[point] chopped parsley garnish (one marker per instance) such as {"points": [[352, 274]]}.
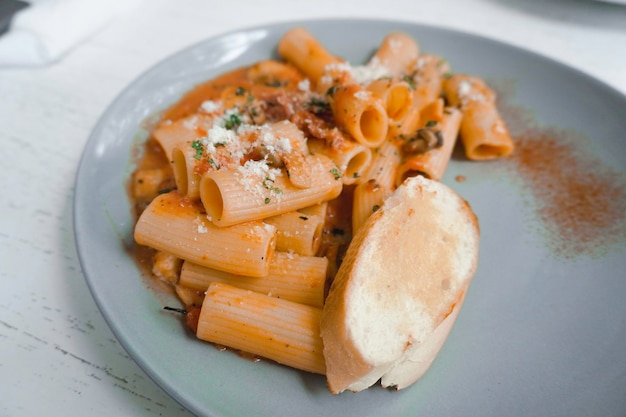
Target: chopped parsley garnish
{"points": [[267, 200], [410, 81], [273, 83], [240, 91], [375, 207], [332, 90], [304, 217], [336, 173], [355, 175], [267, 183], [232, 121], [318, 105], [431, 123], [198, 147]]}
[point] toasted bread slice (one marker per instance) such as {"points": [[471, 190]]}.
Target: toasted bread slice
{"points": [[399, 288]]}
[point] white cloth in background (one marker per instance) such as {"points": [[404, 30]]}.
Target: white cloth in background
{"points": [[46, 30]]}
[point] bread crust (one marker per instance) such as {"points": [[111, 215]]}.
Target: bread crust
{"points": [[405, 273]]}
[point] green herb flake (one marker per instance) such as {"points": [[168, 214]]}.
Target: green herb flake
{"points": [[336, 173], [304, 217], [267, 200], [267, 184], [410, 81], [318, 105], [233, 121], [198, 147], [431, 123], [240, 91], [273, 83]]}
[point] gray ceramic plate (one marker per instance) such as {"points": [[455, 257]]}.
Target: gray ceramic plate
{"points": [[542, 332]]}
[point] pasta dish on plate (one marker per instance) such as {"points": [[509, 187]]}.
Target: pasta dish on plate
{"points": [[252, 187]]}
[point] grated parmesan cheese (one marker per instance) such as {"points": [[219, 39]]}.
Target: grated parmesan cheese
{"points": [[464, 88], [304, 85], [211, 106], [271, 145], [283, 145], [326, 79], [370, 72], [362, 95], [257, 178], [218, 136], [200, 226], [468, 94], [191, 123]]}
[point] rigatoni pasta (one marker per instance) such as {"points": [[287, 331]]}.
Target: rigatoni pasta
{"points": [[254, 183], [254, 192], [174, 224], [300, 279], [483, 131], [281, 330]]}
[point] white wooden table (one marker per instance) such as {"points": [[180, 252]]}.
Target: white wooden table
{"points": [[57, 355]]}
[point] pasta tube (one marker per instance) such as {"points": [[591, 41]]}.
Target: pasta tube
{"points": [[352, 158], [433, 163], [276, 329], [270, 72], [379, 183], [301, 48], [395, 95], [300, 279], [483, 131], [178, 226], [361, 114], [320, 210], [184, 165], [172, 134], [396, 52], [368, 197], [232, 196], [426, 76], [297, 232], [147, 182]]}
